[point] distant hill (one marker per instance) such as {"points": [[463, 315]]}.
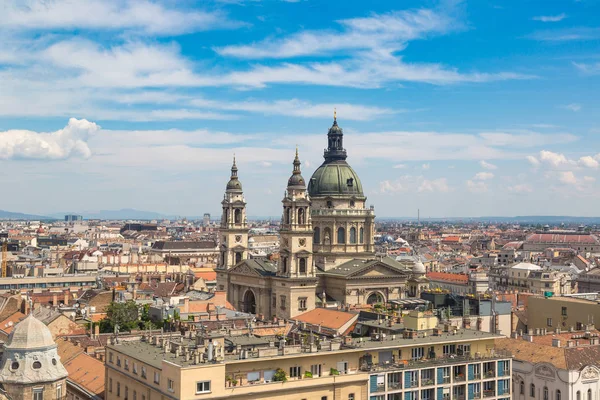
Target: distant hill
{"points": [[21, 216], [124, 213]]}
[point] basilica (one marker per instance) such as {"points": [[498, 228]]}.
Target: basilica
{"points": [[327, 248]]}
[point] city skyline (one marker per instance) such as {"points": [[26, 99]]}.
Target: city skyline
{"points": [[459, 109]]}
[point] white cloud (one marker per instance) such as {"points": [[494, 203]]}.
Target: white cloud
{"points": [[426, 166], [390, 187], [486, 165], [589, 179], [399, 166], [533, 161], [573, 107], [141, 16], [554, 159], [567, 177], [477, 186], [435, 185], [550, 18], [483, 176], [377, 31], [590, 69], [71, 141], [589, 161], [566, 35], [520, 188], [265, 164], [298, 108]]}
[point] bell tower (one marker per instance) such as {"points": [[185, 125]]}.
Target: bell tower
{"points": [[295, 282], [234, 228]]}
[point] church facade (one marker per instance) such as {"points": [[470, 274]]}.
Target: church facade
{"points": [[327, 249]]}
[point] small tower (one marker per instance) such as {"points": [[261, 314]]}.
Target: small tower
{"points": [[296, 276], [30, 366], [234, 227]]}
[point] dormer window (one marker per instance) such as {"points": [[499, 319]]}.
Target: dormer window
{"points": [[350, 182], [329, 204]]}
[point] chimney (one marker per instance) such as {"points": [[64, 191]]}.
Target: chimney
{"points": [[570, 343], [555, 342], [54, 299], [97, 330], [557, 330]]}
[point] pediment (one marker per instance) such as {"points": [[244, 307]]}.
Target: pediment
{"points": [[243, 269], [378, 270]]}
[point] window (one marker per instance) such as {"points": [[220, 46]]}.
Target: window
{"points": [[317, 236], [578, 396], [315, 370], [118, 361], [110, 357], [532, 390], [563, 311], [302, 303], [127, 364], [59, 392], [134, 395], [558, 395], [143, 372], [38, 394], [126, 392], [302, 265], [295, 372], [351, 396], [110, 385], [329, 204], [350, 182], [589, 396], [352, 204], [14, 366], [545, 392], [448, 349], [156, 378], [274, 301], [135, 369], [118, 389], [341, 236], [323, 397], [203, 387], [549, 322], [282, 301], [170, 385], [417, 353], [361, 235], [238, 257], [353, 235], [301, 216]]}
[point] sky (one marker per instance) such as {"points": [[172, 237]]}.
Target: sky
{"points": [[456, 108]]}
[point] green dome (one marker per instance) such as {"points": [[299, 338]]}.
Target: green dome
{"points": [[335, 178]]}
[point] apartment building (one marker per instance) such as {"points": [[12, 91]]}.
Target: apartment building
{"points": [[439, 364]]}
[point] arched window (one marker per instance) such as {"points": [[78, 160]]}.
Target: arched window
{"points": [[353, 235], [532, 390], [238, 257], [288, 216], [238, 216], [578, 396], [302, 266], [545, 392], [558, 395], [301, 216], [375, 298], [317, 236], [341, 236], [361, 235], [284, 264], [327, 236], [589, 394], [522, 387]]}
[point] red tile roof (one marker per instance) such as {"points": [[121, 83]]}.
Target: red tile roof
{"points": [[332, 319], [562, 238], [448, 277]]}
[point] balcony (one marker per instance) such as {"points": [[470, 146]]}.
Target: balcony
{"points": [[490, 374], [394, 385], [459, 378], [427, 382], [489, 393], [445, 379], [458, 397], [477, 395], [379, 388], [476, 377]]}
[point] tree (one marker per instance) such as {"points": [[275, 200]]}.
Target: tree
{"points": [[123, 315]]}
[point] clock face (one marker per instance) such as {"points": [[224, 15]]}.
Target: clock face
{"points": [[238, 238]]}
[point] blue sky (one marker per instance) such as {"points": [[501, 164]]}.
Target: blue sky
{"points": [[459, 108]]}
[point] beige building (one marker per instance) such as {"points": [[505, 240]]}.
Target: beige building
{"points": [[327, 250], [425, 365], [531, 278], [564, 312]]}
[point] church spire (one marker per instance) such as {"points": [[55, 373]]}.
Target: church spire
{"points": [[234, 183], [296, 179]]}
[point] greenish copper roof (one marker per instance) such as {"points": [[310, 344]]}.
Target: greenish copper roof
{"points": [[335, 179]]}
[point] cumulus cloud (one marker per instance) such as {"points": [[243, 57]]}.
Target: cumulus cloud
{"points": [[589, 161], [71, 141], [567, 177], [435, 185], [390, 186], [589, 179], [486, 165], [483, 176], [477, 186], [533, 161], [558, 160], [520, 188], [426, 166]]}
